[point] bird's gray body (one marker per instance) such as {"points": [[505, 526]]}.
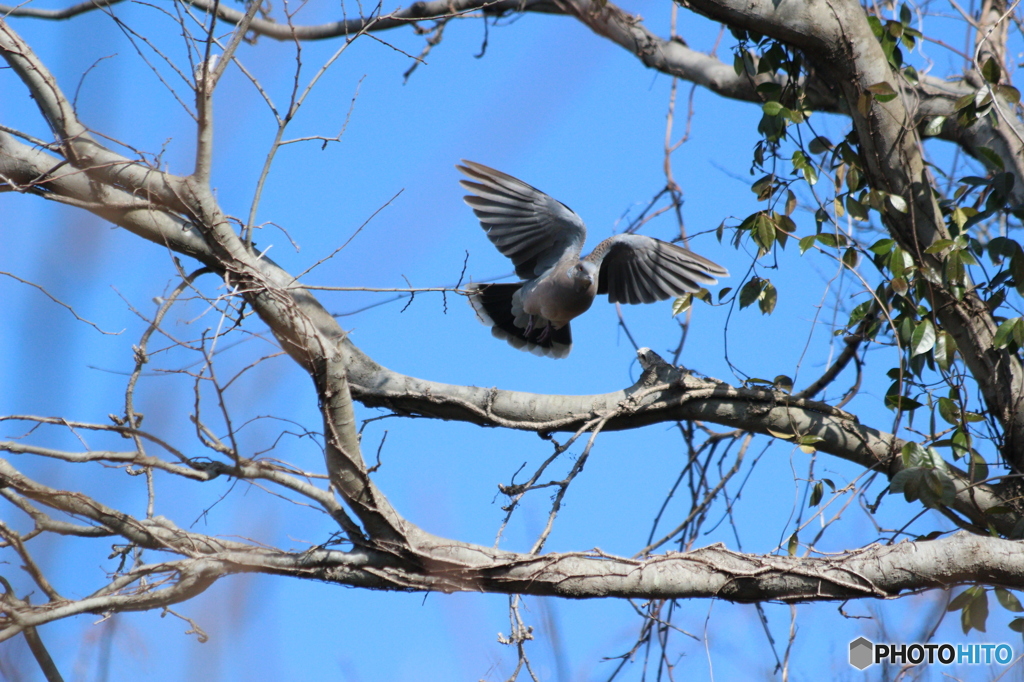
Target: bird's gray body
{"points": [[561, 293], [543, 238]]}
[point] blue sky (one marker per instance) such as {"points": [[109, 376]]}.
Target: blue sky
{"points": [[549, 102]]}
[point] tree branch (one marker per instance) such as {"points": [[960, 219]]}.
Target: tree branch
{"points": [[841, 43]]}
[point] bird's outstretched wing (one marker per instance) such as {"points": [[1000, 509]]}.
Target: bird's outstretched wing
{"points": [[639, 269], [527, 226]]}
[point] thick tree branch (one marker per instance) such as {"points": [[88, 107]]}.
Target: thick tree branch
{"points": [[874, 571], [77, 146]]}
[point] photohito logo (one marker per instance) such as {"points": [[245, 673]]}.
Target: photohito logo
{"points": [[864, 652]]}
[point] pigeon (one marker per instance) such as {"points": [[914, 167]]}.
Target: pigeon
{"points": [[543, 238]]}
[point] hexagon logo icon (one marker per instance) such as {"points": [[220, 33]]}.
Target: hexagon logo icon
{"points": [[860, 653]]}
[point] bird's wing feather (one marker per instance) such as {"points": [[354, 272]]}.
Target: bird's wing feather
{"points": [[639, 269], [497, 307], [529, 227]]}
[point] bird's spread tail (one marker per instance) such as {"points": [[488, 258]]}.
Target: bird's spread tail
{"points": [[494, 305]]}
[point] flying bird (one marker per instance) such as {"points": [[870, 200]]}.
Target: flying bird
{"points": [[543, 238]]}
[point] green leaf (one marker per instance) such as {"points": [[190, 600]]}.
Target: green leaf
{"points": [[883, 92], [864, 103], [1002, 183], [1008, 600], [1018, 334], [901, 402], [751, 291], [854, 179], [876, 26], [856, 209], [783, 223], [961, 600], [834, 240], [899, 262], [737, 64], [991, 71], [954, 268], [938, 489], [961, 214], [905, 328], [923, 338], [905, 15], [882, 246], [934, 126], [991, 157], [1017, 268], [949, 411], [1001, 247], [748, 63], [945, 349], [894, 55], [1004, 334], [913, 454], [681, 304], [769, 88], [764, 187], [816, 494], [898, 202], [874, 198], [975, 611], [960, 443], [908, 482], [939, 245], [964, 102], [790, 204], [794, 545], [768, 299], [764, 232], [807, 242], [1009, 93], [851, 258], [819, 145], [859, 312], [772, 108], [978, 468]]}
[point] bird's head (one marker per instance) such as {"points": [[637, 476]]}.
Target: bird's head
{"points": [[583, 275]]}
